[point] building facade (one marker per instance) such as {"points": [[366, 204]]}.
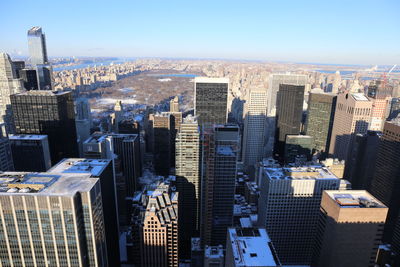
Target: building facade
{"points": [[211, 100]]}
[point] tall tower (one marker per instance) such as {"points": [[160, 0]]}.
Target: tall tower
{"points": [[82, 121], [9, 84], [289, 111], [352, 116], [174, 104], [288, 208], [254, 126], [37, 46], [51, 219], [211, 100], [320, 115], [49, 113], [349, 229], [385, 184], [162, 127], [188, 181], [159, 228], [221, 145]]}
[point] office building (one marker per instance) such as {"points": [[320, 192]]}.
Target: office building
{"points": [[319, 123], [349, 229], [188, 180], [174, 104], [220, 151], [197, 253], [214, 256], [288, 208], [162, 127], [395, 243], [176, 121], [352, 116], [298, 146], [289, 110], [159, 229], [6, 160], [247, 247], [47, 113], [83, 119], [211, 100], [51, 219], [129, 126], [29, 78], [379, 110], [255, 115], [18, 65], [394, 108], [9, 84], [37, 46], [30, 152], [360, 165], [117, 116], [100, 170], [82, 109], [385, 183]]}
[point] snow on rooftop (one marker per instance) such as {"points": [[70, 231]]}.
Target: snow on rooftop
{"points": [[77, 165], [210, 80], [307, 172]]}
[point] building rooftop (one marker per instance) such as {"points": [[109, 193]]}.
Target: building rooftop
{"points": [[35, 30], [214, 252], [359, 97], [95, 138], [196, 244], [27, 137], [210, 80], [46, 184], [252, 247], [44, 93], [225, 150], [94, 167], [354, 199], [295, 173]]}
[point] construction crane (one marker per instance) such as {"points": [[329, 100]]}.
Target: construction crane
{"points": [[385, 75]]}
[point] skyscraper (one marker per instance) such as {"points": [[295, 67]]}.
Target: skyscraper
{"points": [[100, 170], [6, 160], [255, 115], [83, 120], [297, 146], [349, 229], [320, 115], [51, 220], [220, 151], [394, 108], [289, 110], [288, 208], [37, 46], [162, 127], [174, 104], [159, 230], [385, 184], [211, 100], [49, 113], [188, 181], [30, 152], [352, 116], [9, 84], [38, 58]]}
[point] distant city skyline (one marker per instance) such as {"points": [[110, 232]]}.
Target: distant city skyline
{"points": [[356, 32]]}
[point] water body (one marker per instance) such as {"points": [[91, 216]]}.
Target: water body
{"points": [[93, 64], [344, 72], [186, 75]]}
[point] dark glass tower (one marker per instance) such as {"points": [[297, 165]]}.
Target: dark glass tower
{"points": [[211, 100], [221, 145], [289, 110], [49, 113]]}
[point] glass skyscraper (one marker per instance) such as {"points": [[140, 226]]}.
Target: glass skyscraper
{"points": [[37, 46]]}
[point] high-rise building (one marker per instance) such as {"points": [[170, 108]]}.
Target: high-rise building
{"points": [[188, 181], [37, 46], [82, 107], [30, 152], [50, 219], [349, 229], [360, 165], [117, 116], [385, 183], [9, 84], [47, 113], [6, 160], [378, 112], [220, 151], [394, 108], [247, 247], [211, 100], [298, 146], [83, 120], [395, 243], [174, 104], [159, 230], [162, 127], [255, 115], [29, 79], [38, 58], [100, 170], [289, 110], [18, 67], [214, 256], [288, 208], [352, 116], [319, 123]]}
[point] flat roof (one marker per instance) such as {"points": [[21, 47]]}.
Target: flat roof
{"points": [[27, 137], [354, 199], [211, 80], [359, 97], [251, 247], [214, 252], [44, 93], [80, 165], [44, 184], [296, 173]]}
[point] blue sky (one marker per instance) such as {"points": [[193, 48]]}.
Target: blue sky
{"points": [[348, 32]]}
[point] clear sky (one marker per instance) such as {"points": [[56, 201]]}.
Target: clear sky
{"points": [[345, 31]]}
